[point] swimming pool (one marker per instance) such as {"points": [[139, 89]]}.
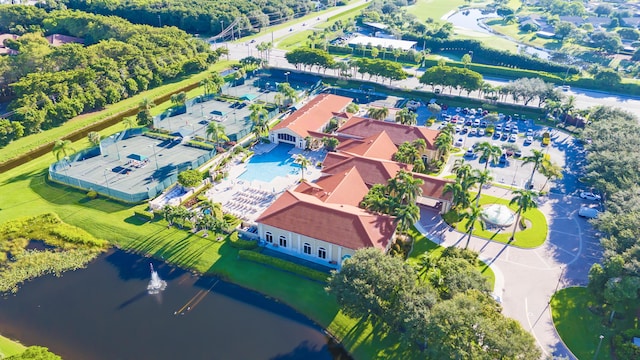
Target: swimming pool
{"points": [[268, 166]]}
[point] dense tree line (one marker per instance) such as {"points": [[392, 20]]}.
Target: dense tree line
{"points": [[613, 166], [53, 84], [441, 307], [452, 78], [200, 16]]}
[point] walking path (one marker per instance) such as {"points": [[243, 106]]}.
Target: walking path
{"points": [[527, 278]]}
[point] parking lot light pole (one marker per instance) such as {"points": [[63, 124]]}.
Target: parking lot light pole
{"points": [[598, 349], [154, 154], [106, 180], [286, 76]]}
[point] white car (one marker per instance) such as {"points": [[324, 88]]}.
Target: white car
{"points": [[458, 109], [528, 139], [480, 132], [588, 212], [459, 142], [513, 138], [589, 196]]}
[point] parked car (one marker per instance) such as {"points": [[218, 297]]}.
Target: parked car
{"points": [[503, 159], [514, 130], [499, 127], [507, 127], [513, 137], [483, 124], [528, 140], [588, 212], [458, 128], [473, 132], [476, 122], [469, 153], [469, 122], [464, 130], [458, 109], [481, 132], [504, 136], [529, 132], [437, 91], [517, 153], [496, 135], [588, 195], [459, 142], [566, 88]]}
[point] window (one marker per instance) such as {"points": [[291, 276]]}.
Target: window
{"points": [[283, 241], [322, 253], [307, 248], [269, 237], [287, 138]]}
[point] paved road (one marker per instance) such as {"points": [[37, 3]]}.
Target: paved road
{"points": [[527, 278]]}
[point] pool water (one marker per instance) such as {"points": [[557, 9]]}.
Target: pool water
{"points": [[268, 166]]}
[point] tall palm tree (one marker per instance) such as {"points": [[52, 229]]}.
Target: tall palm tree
{"points": [[488, 153], [459, 194], [62, 149], [304, 163], [472, 216], [537, 158], [288, 92], [524, 199], [406, 215], [550, 170], [406, 187], [94, 138], [216, 130], [481, 178], [406, 117], [129, 122], [443, 144], [463, 172]]}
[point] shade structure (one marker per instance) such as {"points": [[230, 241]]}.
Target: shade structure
{"points": [[499, 215]]}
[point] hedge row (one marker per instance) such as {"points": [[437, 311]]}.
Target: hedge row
{"points": [[200, 145], [283, 265], [145, 215], [238, 243], [159, 136]]}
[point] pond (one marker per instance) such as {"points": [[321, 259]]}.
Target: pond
{"points": [[472, 19], [105, 312]]}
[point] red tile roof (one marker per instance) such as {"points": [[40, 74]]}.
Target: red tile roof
{"points": [[365, 127], [379, 146], [433, 187], [343, 225], [314, 115], [340, 188], [373, 171]]}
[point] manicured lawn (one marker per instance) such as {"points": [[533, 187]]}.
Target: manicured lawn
{"points": [[578, 327], [343, 16], [434, 9], [295, 40], [531, 237], [9, 347], [16, 148]]}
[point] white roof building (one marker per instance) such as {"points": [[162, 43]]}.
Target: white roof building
{"points": [[385, 43]]}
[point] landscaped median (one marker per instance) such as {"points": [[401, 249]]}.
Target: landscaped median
{"points": [[534, 235]]}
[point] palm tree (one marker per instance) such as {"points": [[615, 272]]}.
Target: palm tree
{"points": [[472, 216], [537, 158], [62, 149], [216, 131], [443, 143], [144, 116], [288, 92], [405, 187], [568, 106], [94, 138], [550, 171], [378, 113], [481, 177], [129, 122], [304, 163], [488, 153], [406, 117], [463, 172], [524, 199], [212, 84], [406, 215], [239, 74], [459, 194]]}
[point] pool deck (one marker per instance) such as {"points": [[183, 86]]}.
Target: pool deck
{"points": [[249, 199]]}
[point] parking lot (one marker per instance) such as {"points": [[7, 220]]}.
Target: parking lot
{"points": [[517, 137]]}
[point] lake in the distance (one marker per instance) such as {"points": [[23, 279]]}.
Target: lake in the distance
{"points": [[104, 312]]}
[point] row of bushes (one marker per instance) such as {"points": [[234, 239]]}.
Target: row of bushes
{"points": [[159, 135], [200, 145], [238, 243], [283, 265], [145, 215]]}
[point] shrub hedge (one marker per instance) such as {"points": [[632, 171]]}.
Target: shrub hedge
{"points": [[238, 243], [145, 215], [283, 265]]}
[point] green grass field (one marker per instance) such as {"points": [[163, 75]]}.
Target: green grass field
{"points": [[578, 327], [531, 237], [9, 347], [435, 9]]}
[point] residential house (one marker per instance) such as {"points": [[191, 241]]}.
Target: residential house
{"points": [[3, 49], [56, 40]]}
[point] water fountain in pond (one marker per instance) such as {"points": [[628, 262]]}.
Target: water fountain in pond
{"points": [[155, 284]]}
